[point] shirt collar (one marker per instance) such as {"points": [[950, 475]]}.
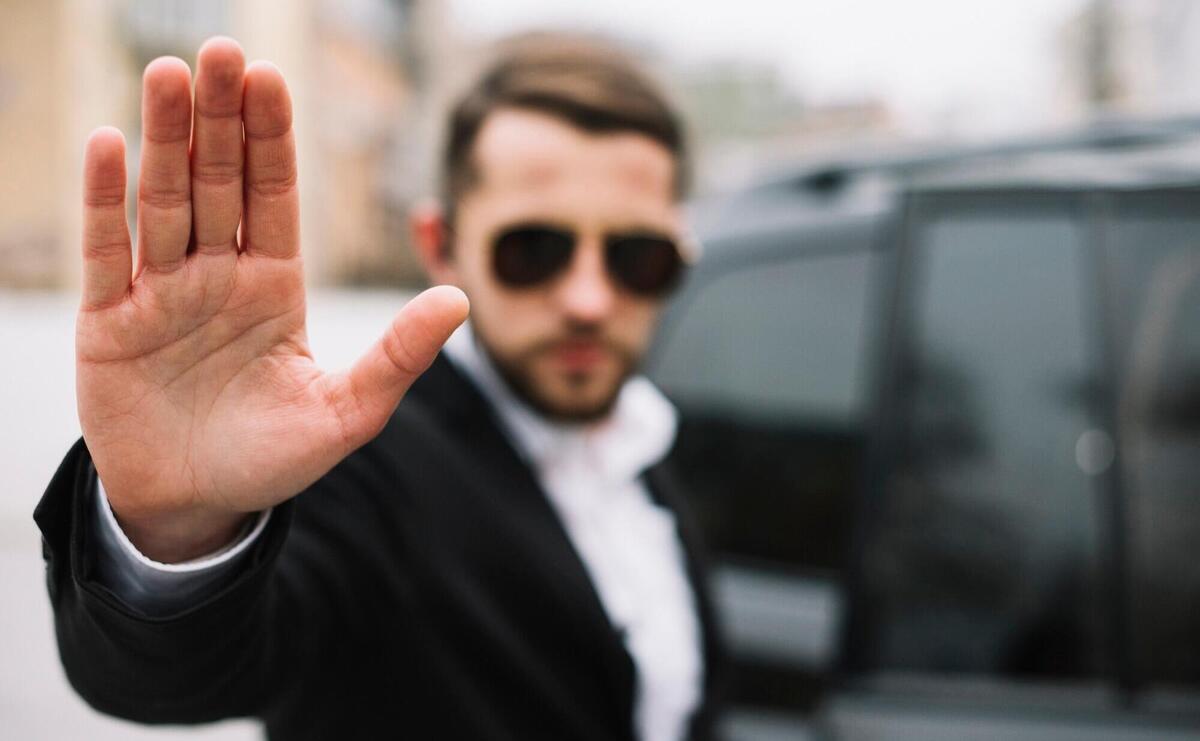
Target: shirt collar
{"points": [[637, 434]]}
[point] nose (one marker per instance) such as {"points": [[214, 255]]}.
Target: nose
{"points": [[585, 292]]}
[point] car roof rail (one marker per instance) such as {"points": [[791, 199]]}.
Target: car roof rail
{"points": [[831, 176]]}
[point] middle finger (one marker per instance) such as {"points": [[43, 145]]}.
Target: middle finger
{"points": [[217, 153], [164, 187]]}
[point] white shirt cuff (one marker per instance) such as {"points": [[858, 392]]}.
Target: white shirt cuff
{"points": [[161, 588]]}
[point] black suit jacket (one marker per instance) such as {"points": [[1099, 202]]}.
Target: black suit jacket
{"points": [[423, 589]]}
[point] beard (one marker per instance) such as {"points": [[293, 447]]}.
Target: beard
{"points": [[579, 406]]}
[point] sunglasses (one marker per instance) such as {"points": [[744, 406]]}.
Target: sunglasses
{"points": [[644, 263]]}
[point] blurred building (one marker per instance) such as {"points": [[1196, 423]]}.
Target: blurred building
{"points": [[1131, 56], [359, 72], [370, 80], [744, 118]]}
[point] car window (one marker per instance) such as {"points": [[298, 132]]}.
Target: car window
{"points": [[1154, 255], [765, 361], [984, 548]]}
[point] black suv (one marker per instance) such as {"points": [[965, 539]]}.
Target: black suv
{"points": [[941, 422]]}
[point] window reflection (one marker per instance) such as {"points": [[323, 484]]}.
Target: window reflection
{"points": [[987, 540]]}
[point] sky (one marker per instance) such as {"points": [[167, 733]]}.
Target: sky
{"points": [[966, 65]]}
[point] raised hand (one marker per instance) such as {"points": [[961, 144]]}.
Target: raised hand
{"points": [[198, 397]]}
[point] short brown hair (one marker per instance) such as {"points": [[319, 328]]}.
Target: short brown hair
{"points": [[587, 83]]}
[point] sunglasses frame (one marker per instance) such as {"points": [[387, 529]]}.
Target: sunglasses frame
{"points": [[685, 245]]}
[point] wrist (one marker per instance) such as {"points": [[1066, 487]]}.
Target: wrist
{"points": [[178, 537]]}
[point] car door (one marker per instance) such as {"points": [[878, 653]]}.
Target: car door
{"points": [[1152, 256], [996, 574]]}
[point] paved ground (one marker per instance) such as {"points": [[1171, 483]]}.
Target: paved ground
{"points": [[37, 425]]}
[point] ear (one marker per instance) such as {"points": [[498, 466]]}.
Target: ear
{"points": [[431, 239]]}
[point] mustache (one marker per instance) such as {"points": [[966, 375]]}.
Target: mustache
{"points": [[582, 333]]}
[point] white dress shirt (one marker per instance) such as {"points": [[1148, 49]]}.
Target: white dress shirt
{"points": [[592, 475], [628, 544]]}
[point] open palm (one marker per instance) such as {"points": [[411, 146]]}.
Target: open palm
{"points": [[198, 397]]}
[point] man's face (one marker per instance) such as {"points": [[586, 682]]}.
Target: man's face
{"points": [[565, 345]]}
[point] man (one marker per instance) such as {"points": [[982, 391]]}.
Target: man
{"points": [[498, 557]]}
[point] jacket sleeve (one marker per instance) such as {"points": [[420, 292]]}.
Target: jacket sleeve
{"points": [[154, 588], [231, 653]]}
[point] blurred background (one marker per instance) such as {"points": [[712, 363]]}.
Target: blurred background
{"points": [[759, 81], [859, 479]]}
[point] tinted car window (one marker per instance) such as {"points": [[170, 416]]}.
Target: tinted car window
{"points": [[765, 361], [766, 364], [1154, 256], [986, 539]]}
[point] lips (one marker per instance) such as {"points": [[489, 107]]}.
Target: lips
{"points": [[577, 355]]}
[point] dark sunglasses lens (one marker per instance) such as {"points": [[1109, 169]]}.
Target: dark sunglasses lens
{"points": [[526, 256], [645, 264]]}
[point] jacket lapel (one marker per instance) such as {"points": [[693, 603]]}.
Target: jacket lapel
{"points": [[471, 419]]}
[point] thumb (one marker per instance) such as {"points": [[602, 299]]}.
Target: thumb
{"points": [[367, 395]]}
